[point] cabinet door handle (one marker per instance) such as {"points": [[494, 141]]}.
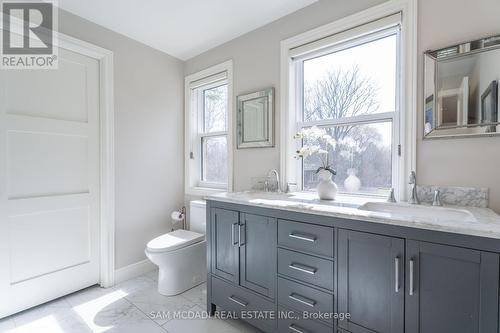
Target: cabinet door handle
{"points": [[412, 264], [302, 299], [396, 274], [237, 301], [297, 329], [303, 237], [232, 233], [239, 235], [303, 268]]}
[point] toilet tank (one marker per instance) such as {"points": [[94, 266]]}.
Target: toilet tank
{"points": [[198, 216]]}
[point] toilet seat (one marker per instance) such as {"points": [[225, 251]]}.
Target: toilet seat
{"points": [[174, 240]]}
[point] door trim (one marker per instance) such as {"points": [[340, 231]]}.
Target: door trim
{"points": [[107, 157]]}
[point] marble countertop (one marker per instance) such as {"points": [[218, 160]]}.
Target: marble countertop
{"points": [[486, 223]]}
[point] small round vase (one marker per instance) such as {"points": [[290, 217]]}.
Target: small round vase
{"points": [[352, 182], [327, 190]]}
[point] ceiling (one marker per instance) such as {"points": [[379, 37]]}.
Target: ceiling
{"points": [[182, 28]]}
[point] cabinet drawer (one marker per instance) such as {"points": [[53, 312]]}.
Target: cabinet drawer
{"points": [[306, 237], [306, 268], [303, 298], [294, 323], [237, 299]]}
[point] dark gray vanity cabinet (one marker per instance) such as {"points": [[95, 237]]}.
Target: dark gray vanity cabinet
{"points": [[451, 289], [371, 282], [258, 254], [447, 288], [224, 256], [243, 249], [388, 278], [242, 265]]}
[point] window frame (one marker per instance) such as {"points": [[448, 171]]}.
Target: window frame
{"points": [[381, 117], [334, 33], [195, 86]]}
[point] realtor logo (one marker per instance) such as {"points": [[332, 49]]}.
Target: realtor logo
{"points": [[28, 38]]}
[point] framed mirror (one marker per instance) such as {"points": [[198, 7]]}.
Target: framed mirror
{"points": [[255, 119], [461, 90]]}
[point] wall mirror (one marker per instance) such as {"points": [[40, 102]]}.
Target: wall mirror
{"points": [[255, 119], [461, 90]]}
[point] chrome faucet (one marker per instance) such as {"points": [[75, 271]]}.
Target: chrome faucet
{"points": [[277, 178], [437, 199], [413, 194]]}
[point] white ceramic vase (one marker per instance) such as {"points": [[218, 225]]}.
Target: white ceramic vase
{"points": [[327, 189], [352, 183]]}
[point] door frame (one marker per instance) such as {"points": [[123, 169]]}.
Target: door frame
{"points": [[107, 157]]}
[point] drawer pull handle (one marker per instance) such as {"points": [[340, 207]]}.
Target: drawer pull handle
{"points": [[412, 288], [302, 299], [297, 329], [239, 235], [303, 268], [237, 301], [304, 237], [232, 233], [396, 274]]}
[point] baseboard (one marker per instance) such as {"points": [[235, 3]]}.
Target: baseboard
{"points": [[133, 270]]}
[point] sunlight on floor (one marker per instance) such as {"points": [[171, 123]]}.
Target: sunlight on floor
{"points": [[42, 325], [88, 311]]}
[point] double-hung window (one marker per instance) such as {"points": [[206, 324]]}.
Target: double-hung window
{"points": [[208, 143], [349, 86]]}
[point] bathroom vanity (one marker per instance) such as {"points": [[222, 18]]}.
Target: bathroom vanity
{"points": [[399, 268]]}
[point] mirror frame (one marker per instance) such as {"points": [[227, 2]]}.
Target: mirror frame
{"points": [[269, 141], [455, 51]]}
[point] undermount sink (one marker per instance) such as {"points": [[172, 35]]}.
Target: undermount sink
{"points": [[430, 213]]}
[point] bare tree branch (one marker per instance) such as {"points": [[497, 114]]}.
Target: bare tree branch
{"points": [[340, 94], [215, 101]]}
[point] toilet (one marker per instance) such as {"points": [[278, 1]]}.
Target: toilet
{"points": [[181, 254]]}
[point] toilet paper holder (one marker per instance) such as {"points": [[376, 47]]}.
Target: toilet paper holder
{"points": [[179, 216]]}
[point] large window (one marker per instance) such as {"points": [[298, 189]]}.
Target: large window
{"points": [[351, 90], [208, 132]]}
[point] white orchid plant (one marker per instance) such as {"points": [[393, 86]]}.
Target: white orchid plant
{"points": [[320, 150]]}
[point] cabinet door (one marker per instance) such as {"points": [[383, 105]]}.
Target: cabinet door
{"points": [[258, 253], [224, 243], [451, 289], [371, 282]]}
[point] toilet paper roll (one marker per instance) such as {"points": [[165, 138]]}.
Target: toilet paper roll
{"points": [[177, 216]]}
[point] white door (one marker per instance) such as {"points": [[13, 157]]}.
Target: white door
{"points": [[49, 181]]}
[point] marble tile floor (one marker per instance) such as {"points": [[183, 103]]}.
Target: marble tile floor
{"points": [[133, 306]]}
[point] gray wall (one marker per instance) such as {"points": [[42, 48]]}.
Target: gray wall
{"points": [[148, 135], [465, 162]]}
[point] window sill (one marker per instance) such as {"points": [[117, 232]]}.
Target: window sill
{"points": [[202, 191]]}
